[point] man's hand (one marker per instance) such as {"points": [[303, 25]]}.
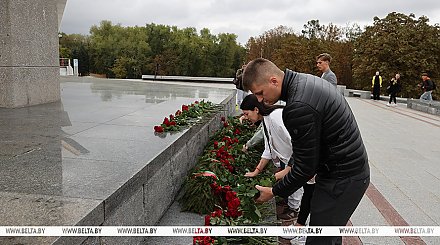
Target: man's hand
{"points": [[245, 149], [251, 174], [265, 194]]}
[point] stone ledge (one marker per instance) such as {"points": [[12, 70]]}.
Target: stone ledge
{"points": [[144, 198], [432, 107], [188, 79], [354, 92]]}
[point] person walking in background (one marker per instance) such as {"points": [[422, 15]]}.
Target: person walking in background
{"points": [[277, 146], [323, 63], [427, 86], [376, 84], [393, 89], [326, 141], [239, 86]]}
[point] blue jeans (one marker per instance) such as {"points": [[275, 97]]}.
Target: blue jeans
{"points": [[426, 96]]}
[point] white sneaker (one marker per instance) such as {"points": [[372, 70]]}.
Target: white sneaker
{"points": [[394, 105], [388, 104], [298, 240]]}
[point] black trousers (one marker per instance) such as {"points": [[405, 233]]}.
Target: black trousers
{"points": [[306, 201], [376, 93], [393, 97], [334, 201]]}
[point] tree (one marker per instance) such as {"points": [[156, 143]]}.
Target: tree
{"points": [[298, 52], [114, 47], [267, 44], [76, 46], [397, 43], [313, 30]]}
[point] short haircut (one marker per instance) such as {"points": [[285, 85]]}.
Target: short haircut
{"points": [[259, 71], [324, 57]]}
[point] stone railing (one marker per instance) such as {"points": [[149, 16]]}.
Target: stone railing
{"points": [[432, 107], [188, 79], [357, 93]]}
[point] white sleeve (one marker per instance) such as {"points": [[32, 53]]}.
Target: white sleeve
{"points": [[266, 153]]}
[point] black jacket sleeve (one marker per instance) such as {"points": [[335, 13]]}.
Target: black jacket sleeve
{"points": [[430, 85], [304, 126]]}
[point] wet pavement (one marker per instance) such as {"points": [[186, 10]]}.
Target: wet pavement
{"points": [[63, 159]]}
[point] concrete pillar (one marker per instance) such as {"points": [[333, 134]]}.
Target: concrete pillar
{"points": [[29, 69]]}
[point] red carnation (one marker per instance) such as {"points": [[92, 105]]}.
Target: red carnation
{"points": [[226, 124], [233, 203], [171, 117], [217, 213], [196, 102], [173, 123], [234, 213], [208, 219], [216, 188], [166, 121], [223, 119], [158, 129], [185, 108], [203, 240], [225, 161], [230, 195], [237, 131], [227, 138], [218, 191], [215, 144], [178, 113]]}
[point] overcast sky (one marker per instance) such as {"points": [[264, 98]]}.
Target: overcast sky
{"points": [[245, 18]]}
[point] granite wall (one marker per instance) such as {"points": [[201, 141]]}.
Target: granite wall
{"points": [[29, 69]]}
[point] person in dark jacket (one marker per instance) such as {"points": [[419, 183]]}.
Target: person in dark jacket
{"points": [[393, 89], [427, 87], [326, 141], [376, 84]]}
